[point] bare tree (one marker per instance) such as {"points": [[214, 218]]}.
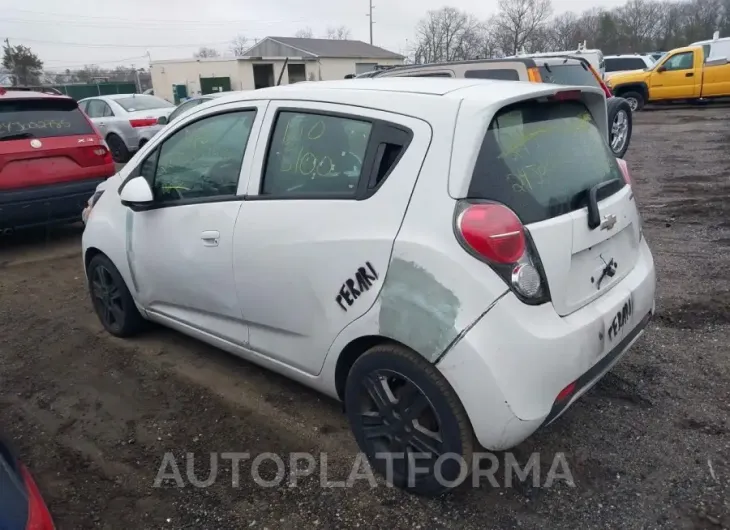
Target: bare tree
{"points": [[519, 24], [447, 34], [338, 33], [639, 23], [239, 45], [205, 52], [565, 31], [304, 33]]}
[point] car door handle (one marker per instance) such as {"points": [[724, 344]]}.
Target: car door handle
{"points": [[689, 74], [210, 238]]}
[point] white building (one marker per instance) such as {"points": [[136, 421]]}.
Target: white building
{"points": [[261, 66]]}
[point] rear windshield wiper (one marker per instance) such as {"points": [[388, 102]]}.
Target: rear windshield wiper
{"points": [[19, 136], [594, 215]]}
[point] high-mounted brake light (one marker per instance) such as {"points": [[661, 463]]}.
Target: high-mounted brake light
{"points": [[38, 516], [533, 75], [566, 95], [143, 122], [494, 234]]}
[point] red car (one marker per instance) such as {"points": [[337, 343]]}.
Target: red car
{"points": [[51, 159]]}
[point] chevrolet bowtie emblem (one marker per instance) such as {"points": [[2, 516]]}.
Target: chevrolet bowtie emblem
{"points": [[608, 222]]}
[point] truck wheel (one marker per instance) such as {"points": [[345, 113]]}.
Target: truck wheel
{"points": [[620, 125], [408, 420], [636, 100]]}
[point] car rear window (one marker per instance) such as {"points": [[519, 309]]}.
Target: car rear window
{"points": [[142, 102], [567, 74], [41, 118], [540, 159], [504, 74]]}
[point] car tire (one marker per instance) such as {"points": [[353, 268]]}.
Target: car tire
{"points": [[620, 125], [112, 301], [636, 100], [414, 410], [119, 150]]}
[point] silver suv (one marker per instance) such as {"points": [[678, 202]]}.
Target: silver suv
{"points": [[558, 69]]}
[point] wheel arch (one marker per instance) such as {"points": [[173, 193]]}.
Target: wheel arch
{"points": [[351, 353], [641, 88]]}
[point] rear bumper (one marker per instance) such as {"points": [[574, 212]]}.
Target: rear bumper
{"points": [[510, 367], [42, 205]]}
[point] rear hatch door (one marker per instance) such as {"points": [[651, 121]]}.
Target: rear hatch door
{"points": [[542, 158]]}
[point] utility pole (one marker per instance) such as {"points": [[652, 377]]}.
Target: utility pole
{"points": [[370, 15]]}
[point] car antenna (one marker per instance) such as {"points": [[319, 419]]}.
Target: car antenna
{"points": [[283, 67]]}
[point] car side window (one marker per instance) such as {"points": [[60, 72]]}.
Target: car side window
{"points": [[106, 110], [184, 107], [313, 153], [94, 108], [681, 61], [201, 160]]}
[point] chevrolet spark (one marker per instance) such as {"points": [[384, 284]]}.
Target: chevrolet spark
{"points": [[456, 260]]}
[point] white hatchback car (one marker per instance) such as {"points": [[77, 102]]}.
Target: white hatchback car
{"points": [[451, 258]]}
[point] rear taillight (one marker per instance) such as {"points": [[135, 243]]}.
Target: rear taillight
{"points": [[494, 234], [143, 122], [625, 171], [94, 155], [627, 177], [39, 517]]}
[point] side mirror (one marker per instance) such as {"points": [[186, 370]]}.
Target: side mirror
{"points": [[661, 69], [137, 194], [162, 120]]}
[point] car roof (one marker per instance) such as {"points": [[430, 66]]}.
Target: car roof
{"points": [[9, 93], [113, 97], [394, 93]]}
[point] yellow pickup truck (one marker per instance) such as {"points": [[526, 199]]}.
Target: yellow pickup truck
{"points": [[682, 74]]}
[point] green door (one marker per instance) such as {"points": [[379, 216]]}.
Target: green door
{"points": [[209, 85], [179, 93]]}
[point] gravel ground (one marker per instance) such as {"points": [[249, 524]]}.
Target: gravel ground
{"points": [[648, 447]]}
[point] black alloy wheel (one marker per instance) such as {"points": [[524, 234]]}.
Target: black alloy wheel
{"points": [[408, 420], [111, 299]]}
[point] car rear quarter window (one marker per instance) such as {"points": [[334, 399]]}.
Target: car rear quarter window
{"points": [[540, 159], [41, 118], [567, 74], [504, 74]]}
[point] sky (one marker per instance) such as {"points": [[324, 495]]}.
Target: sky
{"points": [[72, 33]]}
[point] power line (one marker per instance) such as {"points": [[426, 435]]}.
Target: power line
{"points": [[137, 22], [87, 45], [190, 26], [93, 63]]}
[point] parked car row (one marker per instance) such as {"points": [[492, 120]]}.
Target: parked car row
{"points": [[491, 214]]}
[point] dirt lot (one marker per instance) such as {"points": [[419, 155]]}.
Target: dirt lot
{"points": [[648, 447]]}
